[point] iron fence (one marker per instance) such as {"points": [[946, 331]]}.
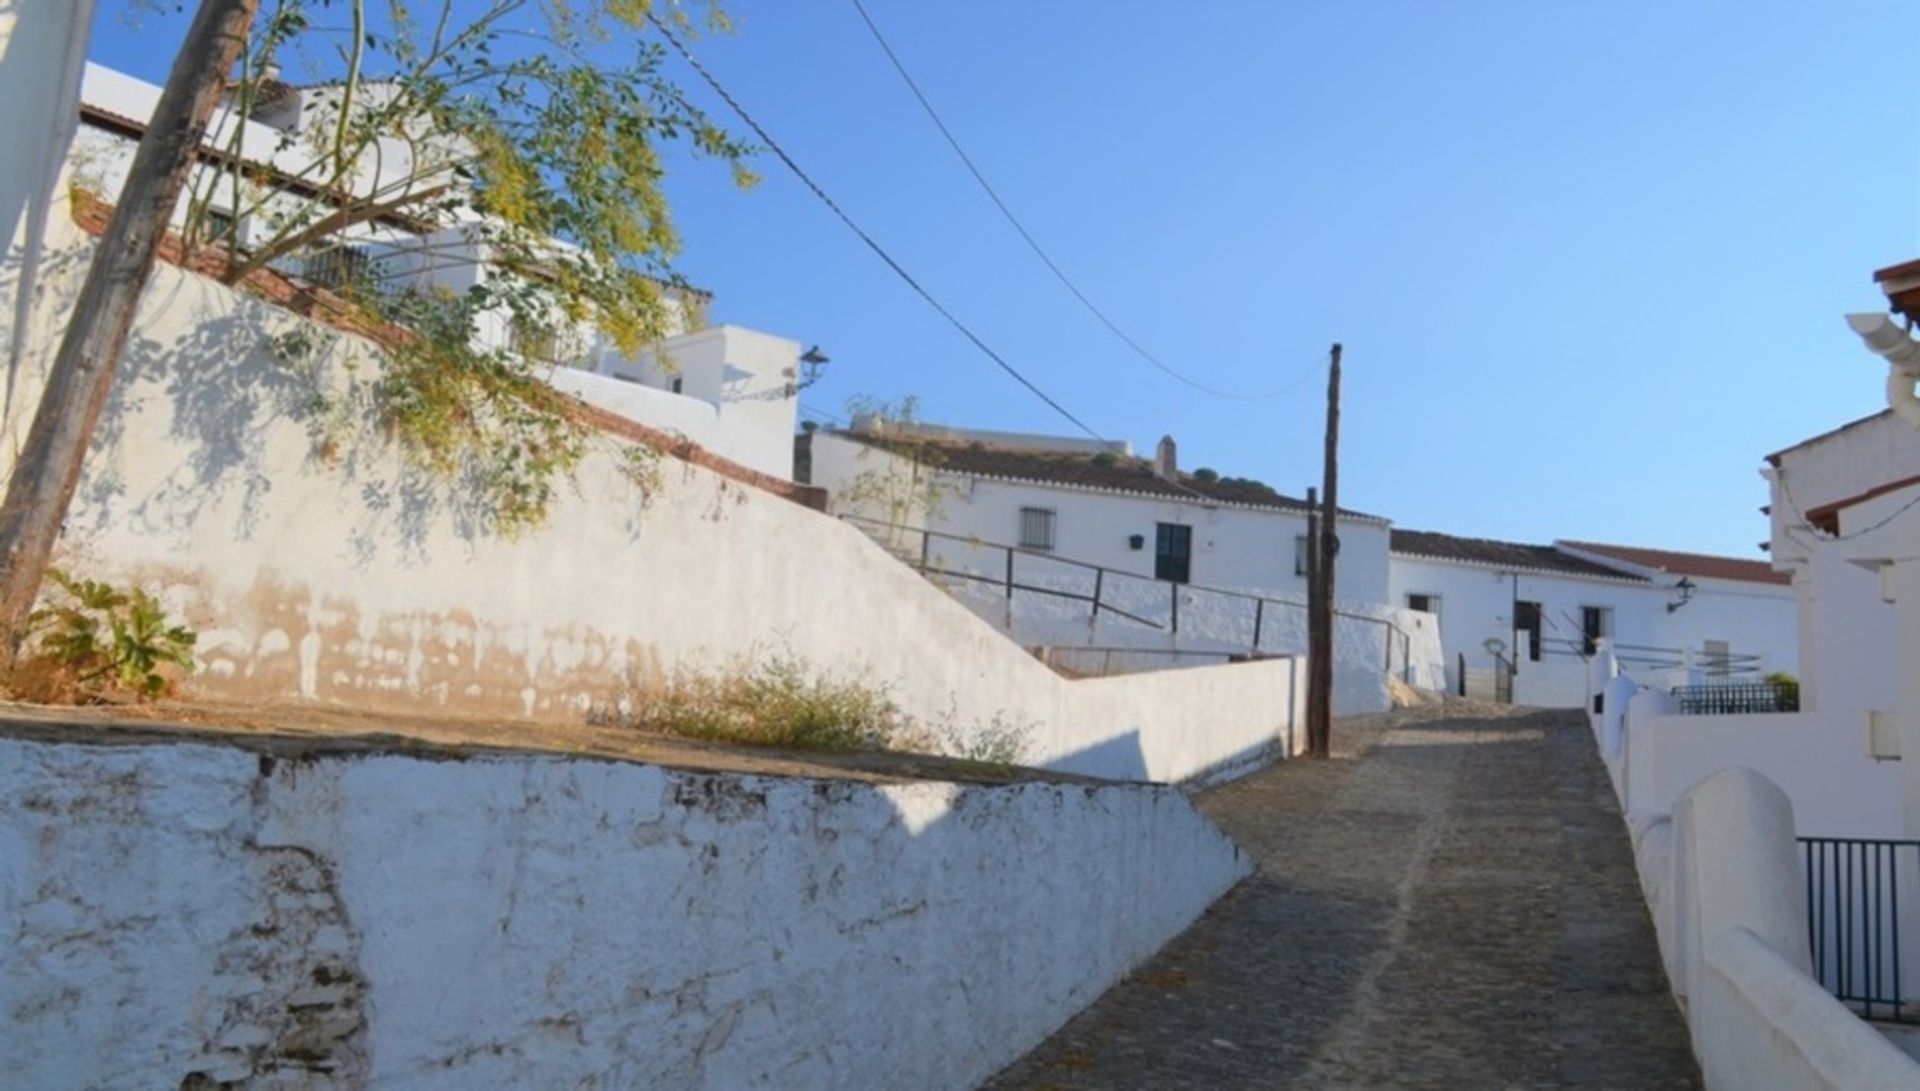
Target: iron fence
{"points": [[915, 546], [1855, 922], [1738, 699]]}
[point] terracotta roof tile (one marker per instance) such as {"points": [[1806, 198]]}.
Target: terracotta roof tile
{"points": [[1704, 565]]}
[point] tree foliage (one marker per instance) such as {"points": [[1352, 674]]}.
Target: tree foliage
{"points": [[527, 134]]}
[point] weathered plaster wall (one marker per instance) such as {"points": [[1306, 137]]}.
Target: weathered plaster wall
{"points": [[319, 565], [514, 921]]}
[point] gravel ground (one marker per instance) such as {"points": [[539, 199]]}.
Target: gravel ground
{"points": [[1450, 903]]}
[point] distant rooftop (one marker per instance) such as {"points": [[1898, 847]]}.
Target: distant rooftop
{"points": [[1487, 551], [1048, 460], [1704, 565]]}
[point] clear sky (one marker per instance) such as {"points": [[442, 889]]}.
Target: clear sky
{"points": [[1588, 259]]}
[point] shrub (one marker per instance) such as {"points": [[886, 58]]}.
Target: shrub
{"points": [[1206, 474], [94, 637], [776, 703]]}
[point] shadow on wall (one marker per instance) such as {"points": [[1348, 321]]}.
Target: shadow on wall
{"points": [[232, 381]]}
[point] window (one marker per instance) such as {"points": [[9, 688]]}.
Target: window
{"points": [[1036, 528], [677, 385], [534, 342], [1425, 602], [1526, 620], [1172, 552], [1299, 554], [336, 265], [1716, 658], [219, 227], [1596, 624]]}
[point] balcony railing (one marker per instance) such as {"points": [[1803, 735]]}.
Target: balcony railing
{"points": [[1738, 699]]}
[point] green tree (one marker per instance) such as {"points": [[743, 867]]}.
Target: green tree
{"points": [[527, 132]]}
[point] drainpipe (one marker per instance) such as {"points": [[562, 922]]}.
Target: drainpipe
{"points": [[1902, 354]]}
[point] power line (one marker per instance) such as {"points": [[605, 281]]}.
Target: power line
{"points": [[899, 270], [1040, 252]]}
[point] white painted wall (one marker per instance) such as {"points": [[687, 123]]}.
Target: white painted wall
{"points": [[1092, 529], [1234, 548], [1655, 755], [527, 921], [749, 377], [361, 582], [1730, 911], [1476, 605], [1837, 788], [746, 379], [43, 50], [736, 400]]}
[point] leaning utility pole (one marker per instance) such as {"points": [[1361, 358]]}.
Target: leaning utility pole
{"points": [[1323, 549], [48, 469]]}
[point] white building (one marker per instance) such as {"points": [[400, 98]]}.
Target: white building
{"points": [[732, 390], [1187, 567], [1537, 612]]}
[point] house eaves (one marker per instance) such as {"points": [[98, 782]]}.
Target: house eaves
{"points": [[1492, 555]]}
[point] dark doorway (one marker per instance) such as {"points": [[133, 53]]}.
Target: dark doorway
{"points": [[1173, 552], [1526, 619]]}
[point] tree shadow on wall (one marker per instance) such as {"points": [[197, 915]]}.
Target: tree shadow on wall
{"points": [[237, 378]]}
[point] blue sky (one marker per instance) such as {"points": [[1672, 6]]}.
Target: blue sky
{"points": [[1588, 259]]}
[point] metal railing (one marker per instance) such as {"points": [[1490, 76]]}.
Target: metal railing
{"points": [[914, 545], [1081, 658], [1855, 923], [1738, 699]]}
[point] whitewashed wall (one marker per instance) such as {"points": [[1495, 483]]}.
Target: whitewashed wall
{"points": [[750, 378], [1655, 754], [1214, 617], [735, 400], [1837, 788], [1476, 604], [1723, 882], [359, 581], [1234, 548], [361, 919]]}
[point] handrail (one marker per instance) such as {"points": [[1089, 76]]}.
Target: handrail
{"points": [[1100, 571]]}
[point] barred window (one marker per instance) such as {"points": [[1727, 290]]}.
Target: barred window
{"points": [[1036, 528]]}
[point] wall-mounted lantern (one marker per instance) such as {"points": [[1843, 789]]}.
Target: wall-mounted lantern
{"points": [[1684, 589], [1136, 541]]}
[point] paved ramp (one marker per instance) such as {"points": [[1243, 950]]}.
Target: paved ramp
{"points": [[1449, 903]]}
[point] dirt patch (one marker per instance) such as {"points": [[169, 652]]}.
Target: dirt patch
{"points": [[292, 732]]}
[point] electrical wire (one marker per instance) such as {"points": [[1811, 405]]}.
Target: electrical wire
{"points": [[880, 251], [1040, 252]]}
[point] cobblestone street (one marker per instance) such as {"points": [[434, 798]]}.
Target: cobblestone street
{"points": [[1450, 903]]}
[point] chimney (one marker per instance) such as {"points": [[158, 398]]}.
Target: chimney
{"points": [[1165, 465]]}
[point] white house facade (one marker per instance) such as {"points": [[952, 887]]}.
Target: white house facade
{"points": [[1030, 530], [1529, 617], [732, 390]]}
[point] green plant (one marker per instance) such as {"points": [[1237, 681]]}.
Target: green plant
{"points": [[103, 637], [778, 702], [905, 488], [529, 136], [1206, 474]]}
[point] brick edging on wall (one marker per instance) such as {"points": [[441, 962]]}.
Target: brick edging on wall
{"points": [[92, 214]]}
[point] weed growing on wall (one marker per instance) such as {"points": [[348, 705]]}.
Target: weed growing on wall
{"points": [[90, 638], [775, 702], [780, 701]]}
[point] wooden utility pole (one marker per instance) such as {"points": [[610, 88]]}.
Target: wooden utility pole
{"points": [[1324, 549], [48, 469]]}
